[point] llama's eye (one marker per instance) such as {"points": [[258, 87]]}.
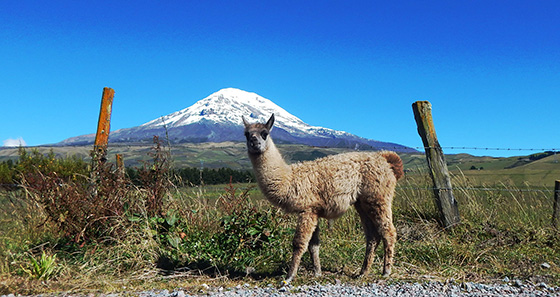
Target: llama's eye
{"points": [[247, 135], [264, 134]]}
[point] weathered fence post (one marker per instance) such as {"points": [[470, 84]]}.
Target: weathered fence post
{"points": [[556, 211], [120, 166], [436, 162], [99, 154]]}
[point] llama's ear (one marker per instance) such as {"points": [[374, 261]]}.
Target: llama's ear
{"points": [[244, 121], [270, 122]]}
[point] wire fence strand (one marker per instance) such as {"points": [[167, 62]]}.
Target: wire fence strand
{"points": [[490, 148], [116, 144], [485, 189]]}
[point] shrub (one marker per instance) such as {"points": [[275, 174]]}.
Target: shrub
{"points": [[80, 208], [7, 175], [35, 163], [235, 236]]}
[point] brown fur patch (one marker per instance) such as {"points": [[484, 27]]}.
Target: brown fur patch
{"points": [[396, 163]]}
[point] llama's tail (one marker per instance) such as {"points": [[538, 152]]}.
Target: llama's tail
{"points": [[396, 163]]}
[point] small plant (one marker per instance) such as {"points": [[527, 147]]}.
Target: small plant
{"points": [[155, 179], [43, 268]]}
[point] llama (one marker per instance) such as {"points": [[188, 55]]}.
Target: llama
{"points": [[326, 188]]}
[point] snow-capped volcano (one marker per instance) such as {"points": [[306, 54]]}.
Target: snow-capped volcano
{"points": [[227, 106], [217, 118]]}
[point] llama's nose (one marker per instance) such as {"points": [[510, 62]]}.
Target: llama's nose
{"points": [[253, 141]]}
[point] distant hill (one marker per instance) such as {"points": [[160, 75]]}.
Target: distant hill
{"points": [[217, 118]]}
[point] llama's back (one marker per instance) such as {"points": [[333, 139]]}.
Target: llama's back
{"points": [[333, 183], [356, 161]]}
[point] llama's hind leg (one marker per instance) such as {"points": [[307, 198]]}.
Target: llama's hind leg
{"points": [[372, 238], [307, 222], [381, 216], [389, 235], [314, 252]]}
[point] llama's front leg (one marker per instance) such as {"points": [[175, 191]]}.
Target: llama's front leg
{"points": [[314, 252], [307, 222]]}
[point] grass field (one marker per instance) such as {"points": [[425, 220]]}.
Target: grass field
{"points": [[228, 234], [501, 234]]}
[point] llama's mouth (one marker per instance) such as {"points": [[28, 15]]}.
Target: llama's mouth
{"points": [[255, 150], [254, 147]]}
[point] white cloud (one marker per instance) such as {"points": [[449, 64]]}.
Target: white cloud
{"points": [[14, 142]]}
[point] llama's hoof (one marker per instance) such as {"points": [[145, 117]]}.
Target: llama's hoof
{"points": [[360, 276]]}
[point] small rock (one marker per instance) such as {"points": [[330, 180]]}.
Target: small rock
{"points": [[180, 294], [505, 279], [542, 285], [205, 286], [545, 265], [467, 286], [517, 283]]}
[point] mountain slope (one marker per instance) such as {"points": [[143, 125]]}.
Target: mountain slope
{"points": [[217, 118]]}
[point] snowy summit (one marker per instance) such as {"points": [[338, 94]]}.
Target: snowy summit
{"points": [[227, 106]]}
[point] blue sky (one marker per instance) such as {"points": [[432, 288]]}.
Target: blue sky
{"points": [[491, 69]]}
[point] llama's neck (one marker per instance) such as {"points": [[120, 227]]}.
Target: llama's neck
{"points": [[272, 173]]}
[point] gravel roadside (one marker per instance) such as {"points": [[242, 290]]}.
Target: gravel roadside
{"points": [[515, 288], [430, 289]]}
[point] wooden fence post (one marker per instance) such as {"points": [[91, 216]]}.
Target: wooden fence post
{"points": [[443, 190], [99, 154], [120, 166], [556, 211]]}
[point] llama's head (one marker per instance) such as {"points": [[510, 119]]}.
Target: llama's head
{"points": [[257, 135]]}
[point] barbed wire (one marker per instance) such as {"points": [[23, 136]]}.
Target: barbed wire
{"points": [[484, 189], [490, 148], [400, 147]]}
